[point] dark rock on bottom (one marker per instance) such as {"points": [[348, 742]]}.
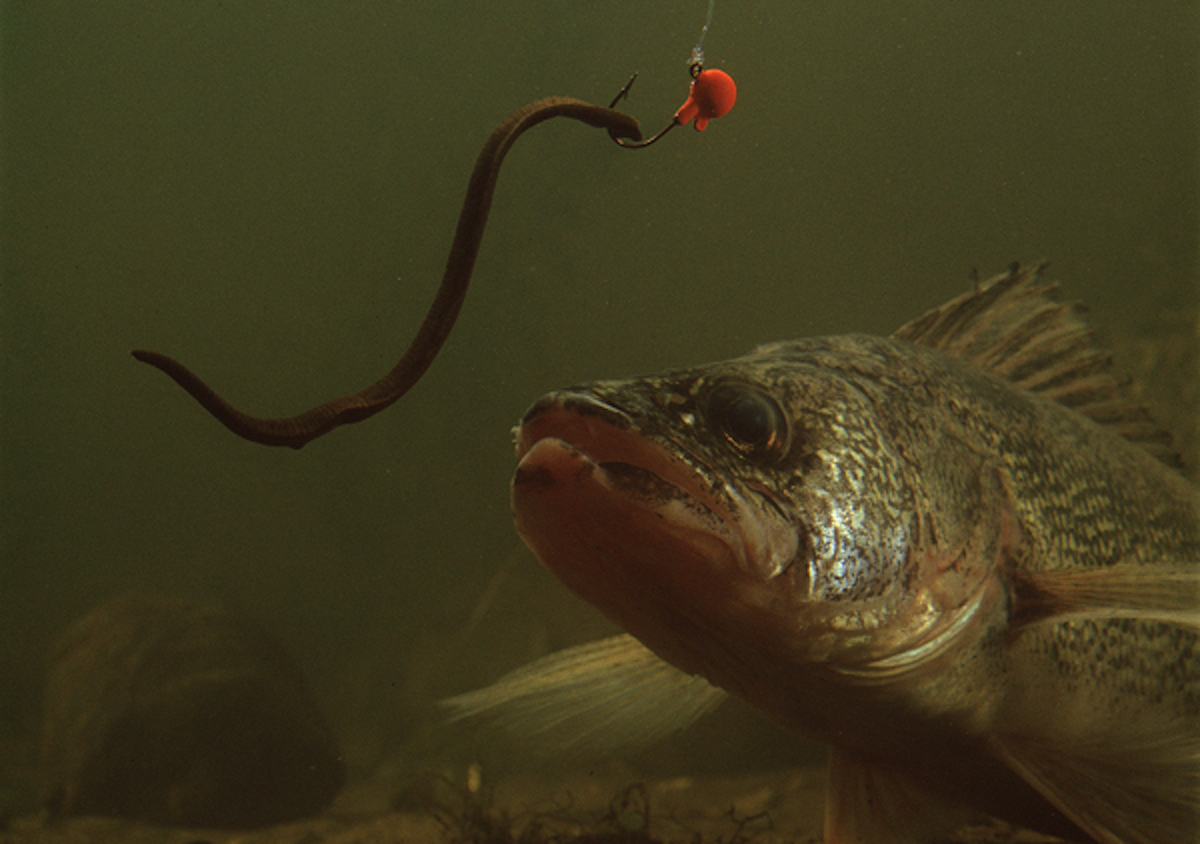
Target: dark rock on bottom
{"points": [[172, 712]]}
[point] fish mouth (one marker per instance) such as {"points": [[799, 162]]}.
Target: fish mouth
{"points": [[573, 445]]}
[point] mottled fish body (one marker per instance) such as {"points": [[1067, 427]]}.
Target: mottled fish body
{"points": [[956, 555]]}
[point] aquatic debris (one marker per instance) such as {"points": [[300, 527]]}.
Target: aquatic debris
{"points": [[471, 818]]}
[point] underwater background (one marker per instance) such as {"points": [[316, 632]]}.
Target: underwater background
{"points": [[266, 191]]}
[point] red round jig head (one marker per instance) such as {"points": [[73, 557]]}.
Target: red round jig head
{"points": [[712, 94]]}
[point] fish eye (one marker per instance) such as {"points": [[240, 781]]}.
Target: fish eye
{"points": [[749, 420]]}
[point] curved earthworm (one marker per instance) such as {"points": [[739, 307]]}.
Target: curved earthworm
{"points": [[297, 431]]}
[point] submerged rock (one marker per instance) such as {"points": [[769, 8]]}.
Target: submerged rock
{"points": [[173, 712]]}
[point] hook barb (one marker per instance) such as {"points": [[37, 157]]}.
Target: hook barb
{"points": [[625, 142]]}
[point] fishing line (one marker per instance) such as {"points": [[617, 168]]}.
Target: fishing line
{"points": [[711, 95], [696, 62]]}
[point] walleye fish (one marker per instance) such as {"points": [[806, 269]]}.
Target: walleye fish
{"points": [[956, 555]]}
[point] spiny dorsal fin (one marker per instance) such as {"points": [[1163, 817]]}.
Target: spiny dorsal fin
{"points": [[1012, 326]]}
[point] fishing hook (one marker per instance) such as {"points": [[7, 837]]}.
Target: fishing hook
{"points": [[621, 142], [711, 95]]}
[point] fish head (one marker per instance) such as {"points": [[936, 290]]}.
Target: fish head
{"points": [[737, 517]]}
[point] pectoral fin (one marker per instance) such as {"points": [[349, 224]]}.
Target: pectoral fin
{"points": [[1105, 724], [1127, 787], [597, 697], [1165, 593]]}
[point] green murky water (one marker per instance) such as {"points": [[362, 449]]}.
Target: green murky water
{"points": [[267, 191]]}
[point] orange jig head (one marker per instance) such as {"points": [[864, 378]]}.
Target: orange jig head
{"points": [[712, 94]]}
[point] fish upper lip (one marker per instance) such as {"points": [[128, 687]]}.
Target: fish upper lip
{"points": [[758, 534], [587, 410]]}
